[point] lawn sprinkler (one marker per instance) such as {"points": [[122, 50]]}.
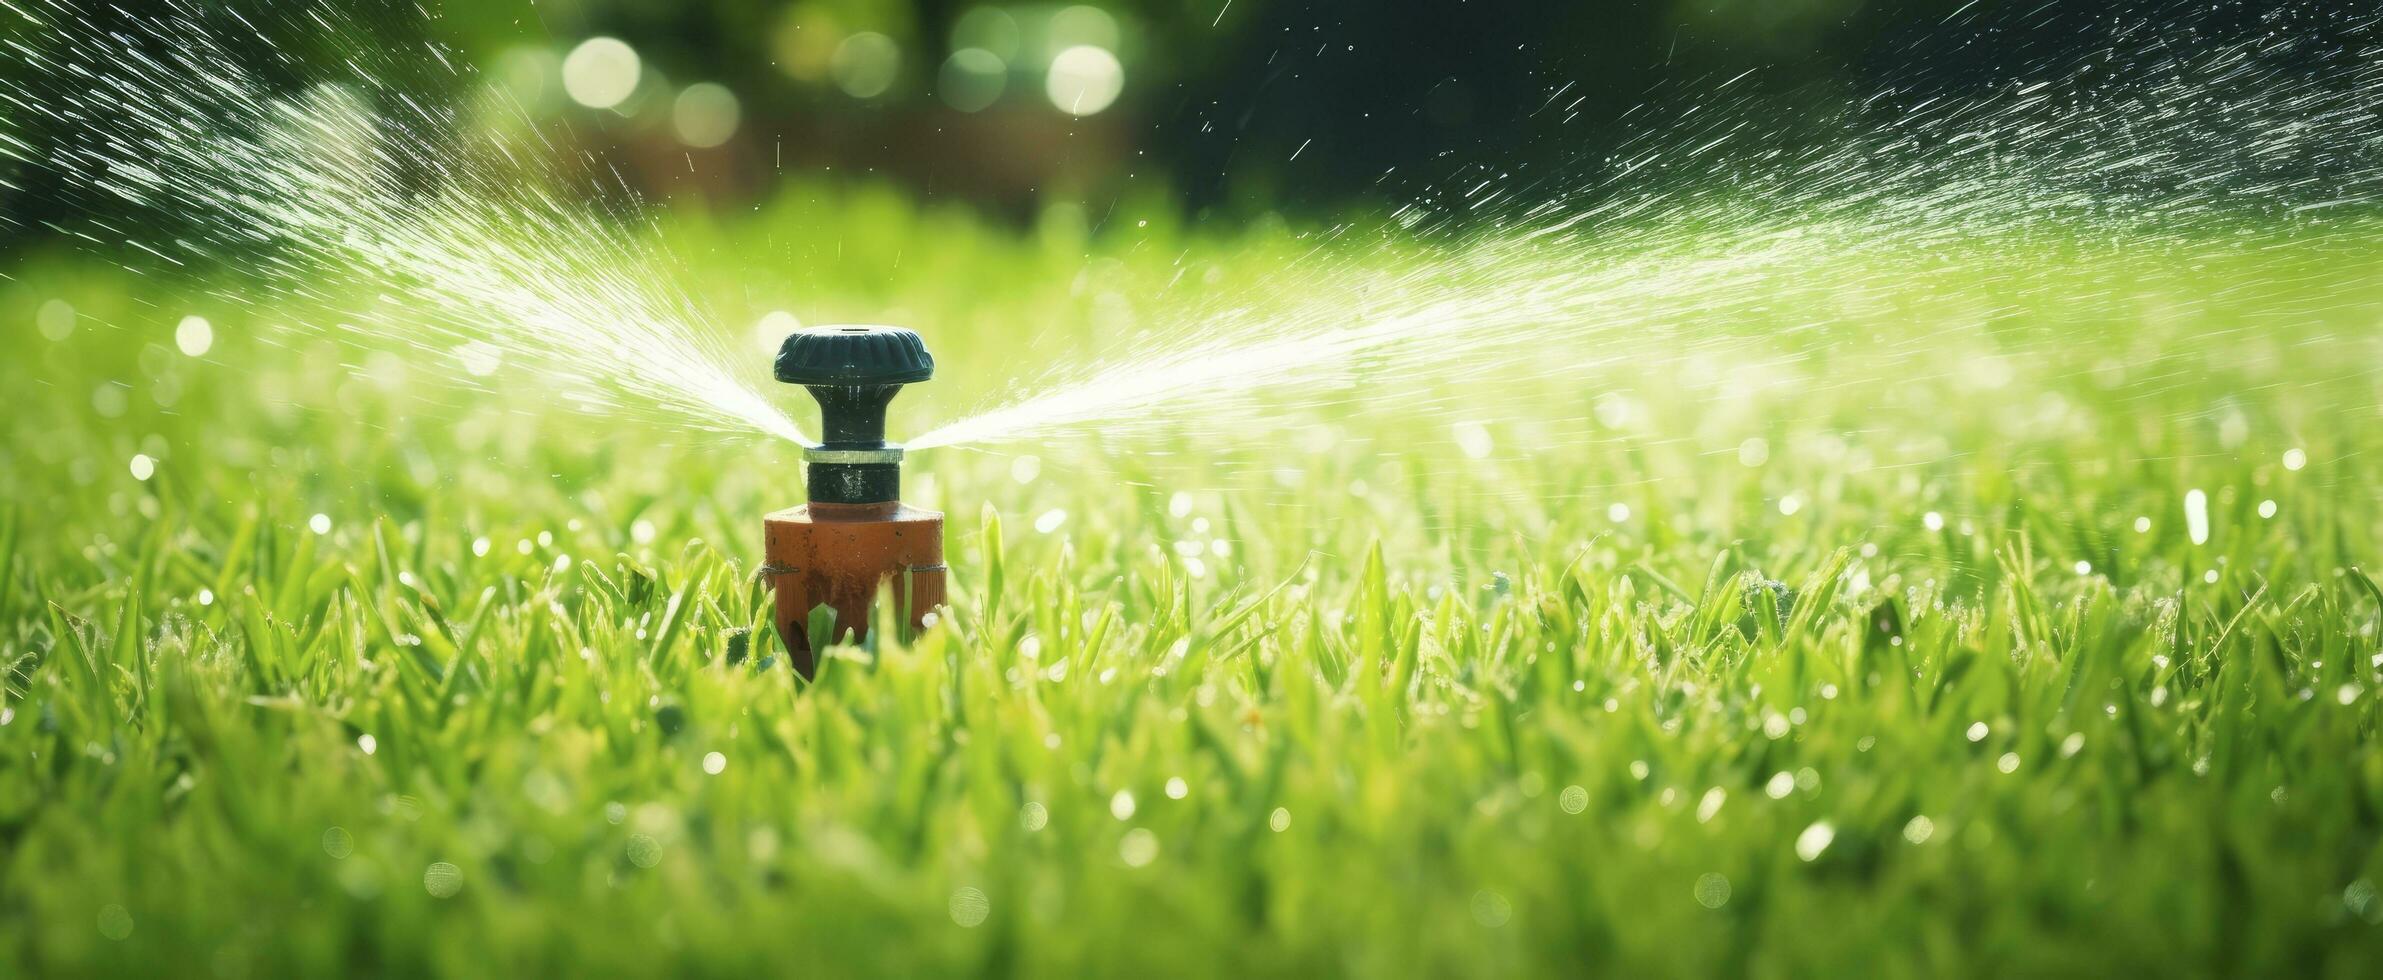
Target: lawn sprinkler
{"points": [[855, 536]]}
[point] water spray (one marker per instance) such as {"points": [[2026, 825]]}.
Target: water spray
{"points": [[856, 536]]}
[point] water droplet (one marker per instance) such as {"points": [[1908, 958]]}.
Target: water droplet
{"points": [[1121, 805], [643, 851], [194, 335], [1138, 848], [1033, 817], [115, 922], [1712, 890], [1919, 829], [1814, 840], [714, 763], [1710, 805], [1491, 909], [1474, 440], [2196, 516], [319, 523], [143, 467], [1754, 452], [2294, 459], [1279, 820], [442, 880], [969, 907], [1177, 788]]}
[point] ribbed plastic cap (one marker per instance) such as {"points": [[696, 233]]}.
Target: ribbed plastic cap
{"points": [[854, 355]]}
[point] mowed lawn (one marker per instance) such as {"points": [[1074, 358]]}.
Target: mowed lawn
{"points": [[2003, 617]]}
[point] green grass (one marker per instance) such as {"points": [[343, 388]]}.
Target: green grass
{"points": [[1423, 714]]}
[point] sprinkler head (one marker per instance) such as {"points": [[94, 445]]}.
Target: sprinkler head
{"points": [[854, 373]]}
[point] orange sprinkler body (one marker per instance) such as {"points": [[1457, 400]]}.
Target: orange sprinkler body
{"points": [[837, 555], [855, 536]]}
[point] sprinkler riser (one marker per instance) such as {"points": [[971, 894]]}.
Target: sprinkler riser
{"points": [[855, 538]]}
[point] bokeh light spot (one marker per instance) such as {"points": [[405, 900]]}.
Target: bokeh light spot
{"points": [[866, 64], [971, 79], [705, 115], [601, 72], [1084, 80]]}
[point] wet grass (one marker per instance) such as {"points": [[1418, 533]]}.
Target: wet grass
{"points": [[1887, 647]]}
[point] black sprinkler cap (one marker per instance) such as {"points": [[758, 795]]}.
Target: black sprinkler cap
{"points": [[854, 372], [846, 356]]}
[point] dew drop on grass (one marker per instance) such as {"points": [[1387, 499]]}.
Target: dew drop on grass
{"points": [[2267, 509], [1025, 468], [1919, 829], [1279, 820], [1780, 784], [1814, 840], [1177, 788], [115, 922], [1618, 513], [1573, 799], [1050, 520], [1712, 890], [1491, 909], [442, 880], [714, 763], [1121, 805], [1033, 817], [1710, 805], [368, 743], [319, 523], [969, 907], [2008, 763], [643, 850], [1138, 848], [1932, 521], [479, 547], [1977, 731], [2142, 525], [2196, 516], [2294, 459], [143, 467]]}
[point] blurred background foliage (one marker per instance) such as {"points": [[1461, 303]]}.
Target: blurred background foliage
{"points": [[1220, 107]]}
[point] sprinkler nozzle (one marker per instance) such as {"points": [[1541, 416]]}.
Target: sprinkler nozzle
{"points": [[854, 373]]}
